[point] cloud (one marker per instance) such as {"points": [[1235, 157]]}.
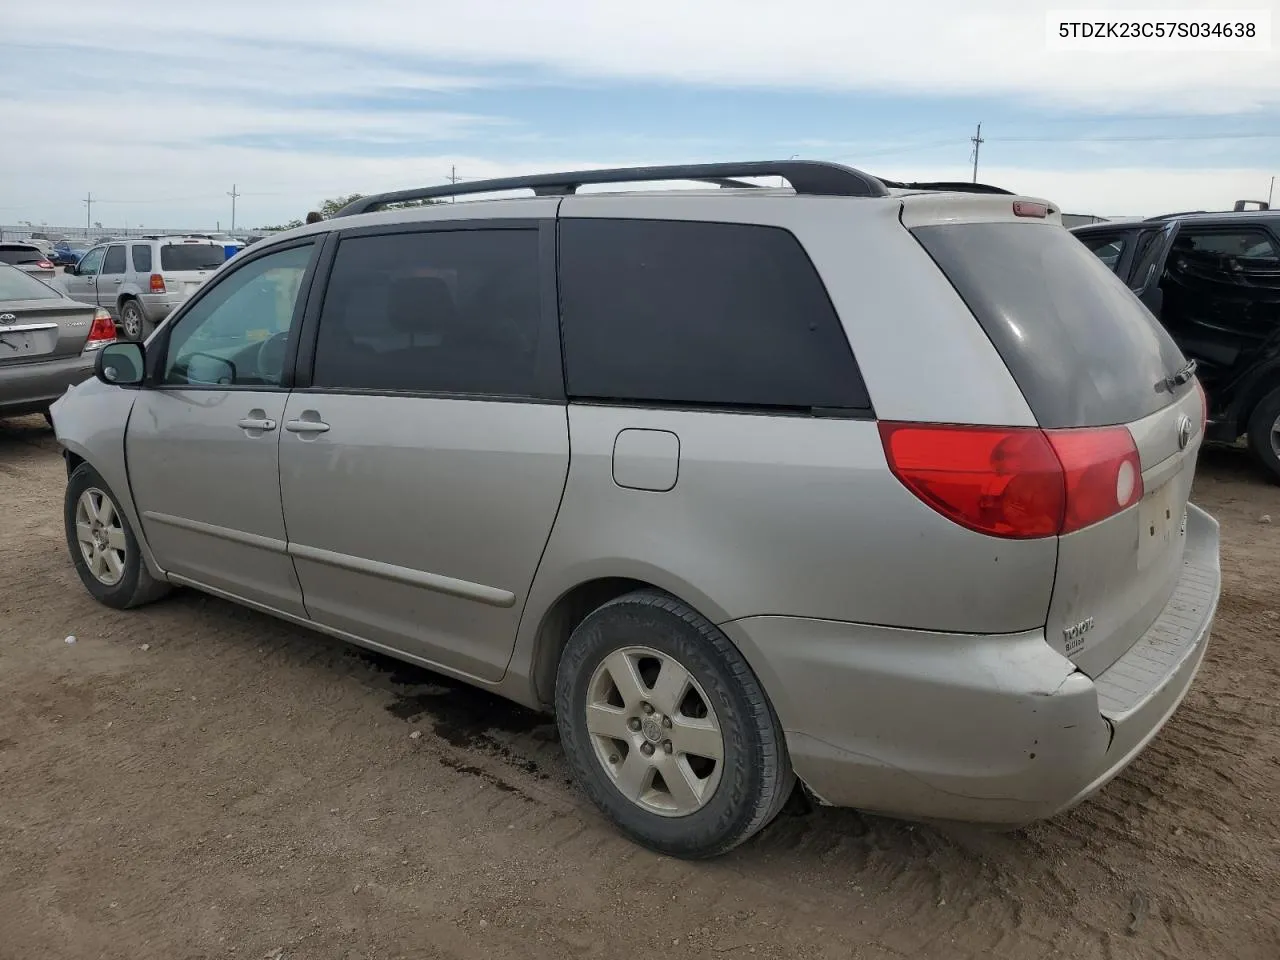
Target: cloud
{"points": [[982, 47]]}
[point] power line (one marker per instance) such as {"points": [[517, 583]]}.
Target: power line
{"points": [[1141, 139]]}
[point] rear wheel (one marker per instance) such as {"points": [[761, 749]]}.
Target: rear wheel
{"points": [[132, 322], [102, 544], [1264, 433], [667, 729]]}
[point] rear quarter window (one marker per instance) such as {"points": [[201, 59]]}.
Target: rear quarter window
{"points": [[700, 314], [1082, 348]]}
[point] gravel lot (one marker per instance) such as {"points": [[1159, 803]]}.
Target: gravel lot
{"points": [[195, 780]]}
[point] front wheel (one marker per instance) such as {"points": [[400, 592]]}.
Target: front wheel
{"points": [[1264, 433], [667, 729], [103, 546]]}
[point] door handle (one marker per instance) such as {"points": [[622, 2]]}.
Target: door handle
{"points": [[306, 426], [255, 423], [117, 282]]}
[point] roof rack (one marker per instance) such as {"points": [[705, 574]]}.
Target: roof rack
{"points": [[950, 186], [1180, 213], [809, 177]]}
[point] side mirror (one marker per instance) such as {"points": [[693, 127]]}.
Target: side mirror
{"points": [[121, 364], [69, 268]]}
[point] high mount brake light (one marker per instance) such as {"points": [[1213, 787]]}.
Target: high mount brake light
{"points": [[1016, 482], [1025, 208]]}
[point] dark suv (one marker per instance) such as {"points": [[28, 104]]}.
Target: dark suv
{"points": [[1213, 279]]}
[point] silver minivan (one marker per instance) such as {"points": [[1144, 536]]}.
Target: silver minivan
{"points": [[141, 281], [880, 486]]}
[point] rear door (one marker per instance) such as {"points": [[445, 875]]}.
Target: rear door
{"points": [[115, 265], [1220, 297], [423, 466], [36, 323], [1087, 354]]}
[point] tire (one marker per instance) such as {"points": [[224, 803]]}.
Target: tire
{"points": [[121, 580], [1264, 433], [133, 323], [714, 805]]}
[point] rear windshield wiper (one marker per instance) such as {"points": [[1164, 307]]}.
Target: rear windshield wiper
{"points": [[1184, 374]]}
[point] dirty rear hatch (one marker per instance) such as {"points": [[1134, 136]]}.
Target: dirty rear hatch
{"points": [[1086, 353]]}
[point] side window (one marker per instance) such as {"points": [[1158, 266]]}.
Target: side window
{"points": [[1107, 248], [141, 258], [114, 263], [453, 311], [700, 314], [237, 332], [91, 262], [1253, 244]]}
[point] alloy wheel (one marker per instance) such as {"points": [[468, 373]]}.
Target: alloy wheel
{"points": [[100, 534]]}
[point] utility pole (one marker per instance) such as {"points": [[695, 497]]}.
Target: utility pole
{"points": [[233, 196], [88, 212], [977, 141], [453, 177]]}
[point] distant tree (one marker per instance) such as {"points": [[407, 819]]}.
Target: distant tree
{"points": [[332, 205]]}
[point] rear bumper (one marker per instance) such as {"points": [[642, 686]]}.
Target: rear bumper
{"points": [[31, 387], [989, 729], [157, 306]]}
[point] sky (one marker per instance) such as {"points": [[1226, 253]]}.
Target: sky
{"points": [[160, 108]]}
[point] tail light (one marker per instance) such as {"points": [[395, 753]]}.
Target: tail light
{"points": [[157, 283], [102, 332], [1016, 482], [44, 264]]}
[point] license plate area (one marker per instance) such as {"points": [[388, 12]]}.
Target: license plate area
{"points": [[24, 344], [1161, 523]]}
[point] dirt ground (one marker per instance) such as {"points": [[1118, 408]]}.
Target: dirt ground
{"points": [[195, 780]]}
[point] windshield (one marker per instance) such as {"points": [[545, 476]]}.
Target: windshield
{"points": [[16, 285], [191, 256], [21, 255], [1083, 349]]}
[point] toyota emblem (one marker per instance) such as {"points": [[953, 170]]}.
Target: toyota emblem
{"points": [[1184, 431], [7, 318]]}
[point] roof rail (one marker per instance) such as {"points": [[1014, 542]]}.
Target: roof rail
{"points": [[949, 186], [810, 177], [1180, 213]]}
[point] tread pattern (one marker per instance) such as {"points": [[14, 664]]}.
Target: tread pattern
{"points": [[762, 738]]}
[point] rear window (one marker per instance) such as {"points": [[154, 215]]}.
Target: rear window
{"points": [[16, 285], [1083, 349], [191, 256], [21, 254]]}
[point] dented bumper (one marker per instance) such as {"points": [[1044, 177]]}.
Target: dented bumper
{"points": [[990, 729]]}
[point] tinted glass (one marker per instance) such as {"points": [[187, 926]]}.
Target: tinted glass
{"points": [[700, 314], [142, 258], [238, 331], [191, 256], [1082, 348], [20, 254], [16, 285], [440, 312], [1250, 244], [114, 262]]}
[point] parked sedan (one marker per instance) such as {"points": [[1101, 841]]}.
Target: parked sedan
{"points": [[68, 252], [47, 342], [28, 258]]}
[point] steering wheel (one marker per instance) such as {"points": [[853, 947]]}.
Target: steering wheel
{"points": [[270, 359]]}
